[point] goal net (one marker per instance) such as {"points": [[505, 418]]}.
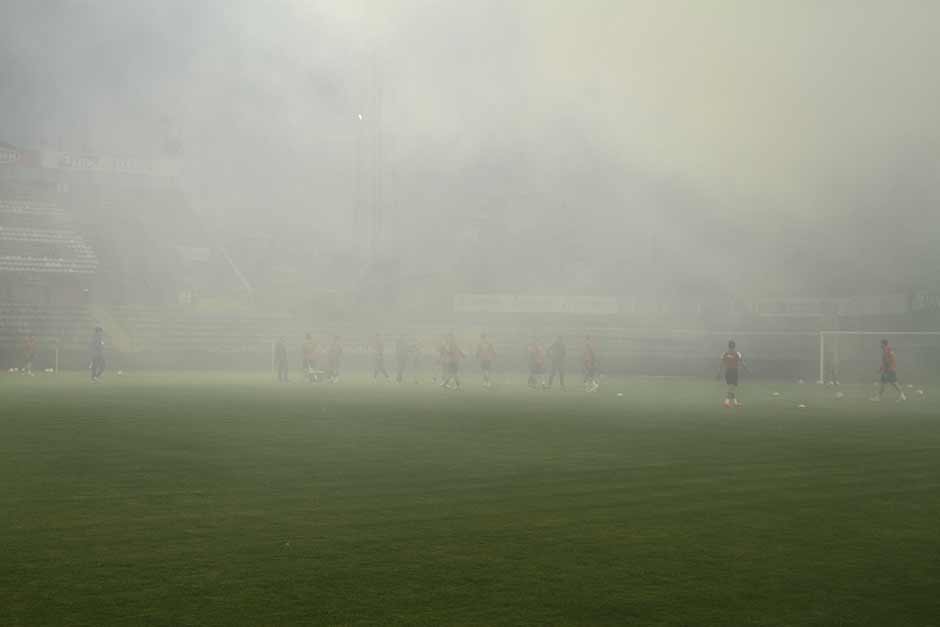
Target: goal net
{"points": [[855, 356], [810, 356]]}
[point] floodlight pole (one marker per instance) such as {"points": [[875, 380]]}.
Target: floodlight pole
{"points": [[375, 219], [357, 210]]}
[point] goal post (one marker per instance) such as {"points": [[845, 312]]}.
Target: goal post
{"points": [[841, 356], [807, 355], [854, 356], [770, 355]]}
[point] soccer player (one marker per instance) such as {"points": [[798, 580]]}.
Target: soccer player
{"points": [[378, 358], [889, 372], [334, 358], [97, 355], [414, 349], [29, 354], [402, 352], [442, 358], [536, 365], [309, 350], [731, 361], [557, 352], [280, 359], [589, 361], [486, 354], [452, 355]]}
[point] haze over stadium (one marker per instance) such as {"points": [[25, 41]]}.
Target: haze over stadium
{"points": [[327, 211]]}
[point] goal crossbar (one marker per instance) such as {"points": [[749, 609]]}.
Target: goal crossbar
{"points": [[821, 335], [838, 334]]}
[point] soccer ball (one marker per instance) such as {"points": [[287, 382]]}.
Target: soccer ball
{"points": [[840, 394], [802, 406], [775, 394]]}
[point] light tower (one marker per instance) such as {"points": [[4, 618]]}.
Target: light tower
{"points": [[368, 214]]}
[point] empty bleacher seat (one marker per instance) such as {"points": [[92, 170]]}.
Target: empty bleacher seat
{"points": [[36, 237]]}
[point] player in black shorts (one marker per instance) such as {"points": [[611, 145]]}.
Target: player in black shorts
{"points": [[402, 353], [536, 355], [889, 372], [97, 355], [378, 358], [486, 354], [557, 353], [334, 358], [731, 361], [589, 361], [452, 357]]}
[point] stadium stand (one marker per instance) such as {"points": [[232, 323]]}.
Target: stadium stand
{"points": [[178, 328], [151, 245], [37, 237], [46, 266], [181, 336]]}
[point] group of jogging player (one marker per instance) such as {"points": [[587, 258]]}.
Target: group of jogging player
{"points": [[450, 357], [545, 366]]}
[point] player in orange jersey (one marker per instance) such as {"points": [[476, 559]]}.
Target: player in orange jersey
{"points": [[486, 354], [536, 356], [731, 362], [452, 356], [309, 351], [589, 361], [377, 346], [889, 372]]}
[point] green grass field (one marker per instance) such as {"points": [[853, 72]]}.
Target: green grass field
{"points": [[206, 500]]}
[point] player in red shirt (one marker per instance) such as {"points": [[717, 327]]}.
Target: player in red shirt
{"points": [[486, 354], [334, 358], [415, 350], [731, 361], [889, 372], [442, 347], [29, 354], [536, 365], [309, 351], [378, 358], [589, 360], [452, 357], [401, 358]]}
